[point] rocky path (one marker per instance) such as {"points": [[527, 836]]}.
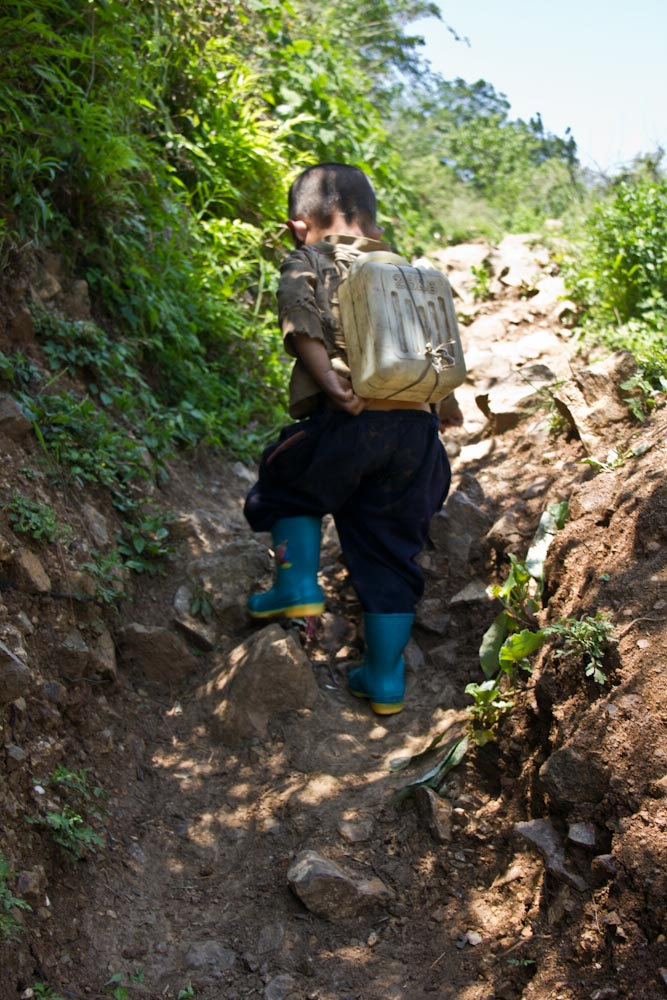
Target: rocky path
{"points": [[238, 764]]}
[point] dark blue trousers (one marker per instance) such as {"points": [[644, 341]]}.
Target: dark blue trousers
{"points": [[382, 474]]}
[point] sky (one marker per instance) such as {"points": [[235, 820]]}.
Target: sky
{"points": [[598, 67]]}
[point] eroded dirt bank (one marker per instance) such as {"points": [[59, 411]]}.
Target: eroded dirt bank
{"points": [[209, 804]]}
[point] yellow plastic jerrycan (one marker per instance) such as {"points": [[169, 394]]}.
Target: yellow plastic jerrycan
{"points": [[400, 330]]}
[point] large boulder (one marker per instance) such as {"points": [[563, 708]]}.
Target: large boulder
{"points": [[594, 402], [265, 676]]}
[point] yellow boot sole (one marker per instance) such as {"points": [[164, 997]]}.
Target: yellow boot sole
{"points": [[292, 611], [380, 707]]}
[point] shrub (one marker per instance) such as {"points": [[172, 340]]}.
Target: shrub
{"points": [[619, 271]]}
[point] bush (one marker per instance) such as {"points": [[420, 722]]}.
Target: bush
{"points": [[619, 270]]}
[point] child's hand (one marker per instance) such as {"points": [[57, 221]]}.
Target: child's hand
{"points": [[449, 413], [337, 388], [340, 392]]}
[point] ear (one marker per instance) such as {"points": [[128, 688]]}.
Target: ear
{"points": [[299, 230]]}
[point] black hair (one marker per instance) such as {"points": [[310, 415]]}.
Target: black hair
{"points": [[321, 191]]}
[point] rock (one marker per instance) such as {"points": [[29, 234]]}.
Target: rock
{"points": [[583, 834], [536, 488], [204, 634], [46, 288], [603, 869], [16, 755], [484, 333], [78, 301], [31, 885], [571, 777], [158, 653], [446, 656], [658, 788], [73, 655], [55, 691], [462, 512], [485, 367], [550, 292], [473, 592], [329, 891], [280, 988], [505, 534], [542, 834], [514, 261], [271, 938], [103, 653], [77, 582], [6, 550], [567, 313], [605, 993], [541, 343], [592, 401], [15, 676], [209, 956], [229, 576], [473, 453], [507, 403], [24, 623], [334, 633], [413, 656], [21, 326], [97, 525], [462, 256], [355, 832], [432, 616], [457, 528], [243, 473], [598, 497], [436, 813], [13, 422], [263, 677], [457, 263], [30, 575]]}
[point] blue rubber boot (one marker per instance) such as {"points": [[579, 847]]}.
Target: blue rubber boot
{"points": [[381, 677], [295, 592]]}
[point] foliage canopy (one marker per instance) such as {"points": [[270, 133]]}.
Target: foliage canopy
{"points": [[151, 142]]}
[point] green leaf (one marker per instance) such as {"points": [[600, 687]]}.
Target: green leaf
{"points": [[518, 646], [301, 46], [400, 763], [492, 641], [482, 736], [551, 521], [454, 754]]}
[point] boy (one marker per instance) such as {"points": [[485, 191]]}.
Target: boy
{"points": [[377, 465]]}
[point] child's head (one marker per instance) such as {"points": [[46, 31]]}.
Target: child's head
{"points": [[330, 196]]}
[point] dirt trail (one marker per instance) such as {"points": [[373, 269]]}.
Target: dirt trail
{"points": [[192, 894]]}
